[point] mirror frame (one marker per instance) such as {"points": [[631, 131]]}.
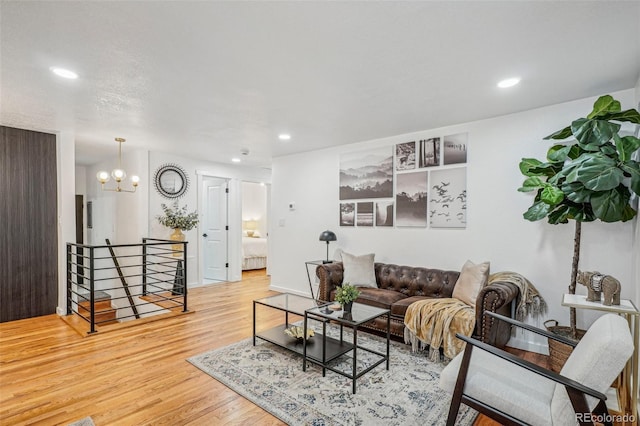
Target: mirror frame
{"points": [[166, 192]]}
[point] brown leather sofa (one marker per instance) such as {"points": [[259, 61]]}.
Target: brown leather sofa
{"points": [[400, 286]]}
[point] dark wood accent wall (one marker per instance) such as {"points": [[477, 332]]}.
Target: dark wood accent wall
{"points": [[28, 224]]}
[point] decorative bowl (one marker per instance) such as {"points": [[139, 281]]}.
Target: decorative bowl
{"points": [[297, 332]]}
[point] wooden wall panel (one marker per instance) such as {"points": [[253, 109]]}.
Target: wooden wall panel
{"points": [[28, 224]]}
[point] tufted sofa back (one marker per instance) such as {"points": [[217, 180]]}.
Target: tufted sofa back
{"points": [[416, 281]]}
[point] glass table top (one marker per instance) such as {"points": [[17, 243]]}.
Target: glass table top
{"points": [[290, 302], [359, 313]]}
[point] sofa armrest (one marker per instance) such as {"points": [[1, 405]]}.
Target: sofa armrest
{"points": [[330, 275], [498, 297]]}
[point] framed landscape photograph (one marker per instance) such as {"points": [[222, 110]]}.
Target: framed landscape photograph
{"points": [[406, 156], [367, 174], [429, 152], [455, 148], [347, 214], [384, 213], [364, 214], [448, 198], [411, 199]]}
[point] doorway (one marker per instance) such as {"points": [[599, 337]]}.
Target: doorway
{"points": [[215, 229]]}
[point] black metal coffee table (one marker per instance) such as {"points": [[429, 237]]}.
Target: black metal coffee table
{"points": [[318, 347], [359, 315]]}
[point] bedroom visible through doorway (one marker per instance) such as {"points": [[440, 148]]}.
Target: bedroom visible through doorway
{"points": [[254, 226]]}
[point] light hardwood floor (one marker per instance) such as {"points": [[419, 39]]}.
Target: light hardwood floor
{"points": [[51, 375]]}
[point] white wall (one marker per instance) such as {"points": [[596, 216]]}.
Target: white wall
{"points": [[194, 169], [496, 230], [65, 146]]}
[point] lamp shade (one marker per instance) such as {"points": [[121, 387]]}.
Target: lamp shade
{"points": [[328, 236]]}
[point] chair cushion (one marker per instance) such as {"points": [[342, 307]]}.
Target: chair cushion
{"points": [[472, 278], [595, 362], [359, 270], [503, 385]]}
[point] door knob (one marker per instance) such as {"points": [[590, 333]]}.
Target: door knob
{"points": [[205, 235]]}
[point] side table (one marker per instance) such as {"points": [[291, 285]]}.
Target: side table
{"points": [[628, 381], [313, 263]]}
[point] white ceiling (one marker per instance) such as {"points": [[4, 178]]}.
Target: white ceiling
{"points": [[207, 79]]}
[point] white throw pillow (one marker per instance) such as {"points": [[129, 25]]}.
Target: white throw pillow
{"points": [[359, 270], [472, 278]]}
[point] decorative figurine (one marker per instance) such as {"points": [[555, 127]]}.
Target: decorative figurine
{"points": [[597, 284]]}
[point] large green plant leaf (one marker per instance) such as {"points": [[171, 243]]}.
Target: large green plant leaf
{"points": [[559, 153], [581, 212], [597, 172], [559, 215], [537, 211], [526, 164], [593, 133], [630, 115], [609, 206], [532, 184], [633, 169], [603, 105], [626, 146], [551, 195], [576, 192], [560, 134]]}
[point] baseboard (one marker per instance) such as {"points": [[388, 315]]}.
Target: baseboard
{"points": [[288, 290], [61, 312], [518, 343]]}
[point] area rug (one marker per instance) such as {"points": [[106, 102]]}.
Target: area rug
{"points": [[87, 421], [272, 378]]}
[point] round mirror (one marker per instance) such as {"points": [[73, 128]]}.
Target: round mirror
{"points": [[171, 181]]}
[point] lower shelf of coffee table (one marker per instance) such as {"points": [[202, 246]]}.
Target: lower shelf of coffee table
{"points": [[335, 347]]}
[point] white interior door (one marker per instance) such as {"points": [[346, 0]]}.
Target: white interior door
{"points": [[215, 229]]}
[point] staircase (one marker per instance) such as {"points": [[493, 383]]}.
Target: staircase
{"points": [[104, 314]]}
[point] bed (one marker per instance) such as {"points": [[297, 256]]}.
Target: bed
{"points": [[254, 253]]}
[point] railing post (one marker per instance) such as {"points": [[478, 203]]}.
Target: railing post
{"points": [[184, 278], [69, 267], [144, 266], [92, 278]]}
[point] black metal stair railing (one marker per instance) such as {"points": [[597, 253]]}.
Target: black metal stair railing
{"points": [[134, 280]]}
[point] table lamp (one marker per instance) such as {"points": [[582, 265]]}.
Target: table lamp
{"points": [[250, 226], [328, 236]]}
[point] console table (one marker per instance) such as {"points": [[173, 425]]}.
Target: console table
{"points": [[313, 263], [627, 389]]}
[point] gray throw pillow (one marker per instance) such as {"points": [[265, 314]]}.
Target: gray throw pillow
{"points": [[359, 270]]}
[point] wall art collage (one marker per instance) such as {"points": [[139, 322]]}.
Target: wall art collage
{"points": [[419, 183]]}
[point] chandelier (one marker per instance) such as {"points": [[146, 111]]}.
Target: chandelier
{"points": [[117, 174]]}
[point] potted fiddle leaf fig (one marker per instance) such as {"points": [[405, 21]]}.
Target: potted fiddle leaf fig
{"points": [[589, 176]]}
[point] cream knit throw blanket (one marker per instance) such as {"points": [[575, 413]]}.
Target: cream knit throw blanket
{"points": [[529, 301], [435, 322]]}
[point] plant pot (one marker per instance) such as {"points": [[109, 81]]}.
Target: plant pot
{"points": [[559, 352], [347, 307], [177, 235]]}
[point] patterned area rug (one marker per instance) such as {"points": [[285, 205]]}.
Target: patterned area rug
{"points": [[87, 421], [272, 378]]}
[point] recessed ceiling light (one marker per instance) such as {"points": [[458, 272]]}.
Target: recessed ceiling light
{"points": [[235, 159], [509, 82], [64, 73], [284, 137]]}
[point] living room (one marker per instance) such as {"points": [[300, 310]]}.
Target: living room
{"points": [[305, 182]]}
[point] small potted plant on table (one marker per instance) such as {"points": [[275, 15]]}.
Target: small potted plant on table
{"points": [[345, 295]]}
